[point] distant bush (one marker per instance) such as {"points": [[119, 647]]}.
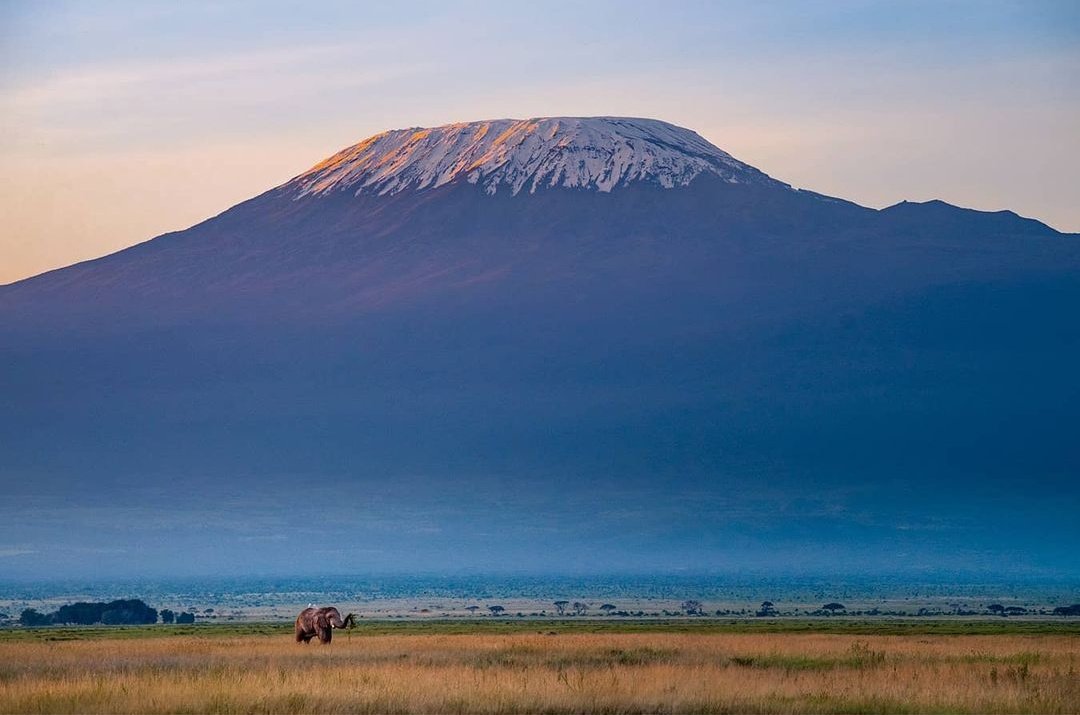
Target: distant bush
{"points": [[81, 613], [31, 618], [128, 616], [185, 617], [1073, 610]]}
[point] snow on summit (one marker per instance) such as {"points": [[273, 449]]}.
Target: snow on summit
{"points": [[599, 153]]}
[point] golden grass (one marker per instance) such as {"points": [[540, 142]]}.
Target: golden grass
{"points": [[566, 673]]}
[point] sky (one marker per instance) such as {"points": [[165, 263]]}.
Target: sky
{"points": [[123, 120]]}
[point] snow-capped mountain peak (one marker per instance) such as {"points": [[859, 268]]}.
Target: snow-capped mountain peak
{"points": [[600, 153]]}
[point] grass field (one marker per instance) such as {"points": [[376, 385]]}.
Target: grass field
{"points": [[515, 666]]}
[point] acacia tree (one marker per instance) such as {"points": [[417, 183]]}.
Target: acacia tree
{"points": [[580, 608], [472, 609], [560, 606], [767, 609], [496, 610], [692, 608], [607, 608], [833, 607]]}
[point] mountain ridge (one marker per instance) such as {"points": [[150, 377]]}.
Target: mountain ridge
{"points": [[358, 171]]}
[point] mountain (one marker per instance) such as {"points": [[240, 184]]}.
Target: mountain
{"points": [[566, 344]]}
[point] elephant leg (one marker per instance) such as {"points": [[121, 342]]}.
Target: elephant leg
{"points": [[325, 634]]}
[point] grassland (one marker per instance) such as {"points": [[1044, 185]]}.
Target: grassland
{"points": [[564, 667]]}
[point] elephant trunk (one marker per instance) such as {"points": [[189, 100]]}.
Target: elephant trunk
{"points": [[336, 621]]}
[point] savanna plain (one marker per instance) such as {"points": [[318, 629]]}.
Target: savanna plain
{"points": [[547, 667]]}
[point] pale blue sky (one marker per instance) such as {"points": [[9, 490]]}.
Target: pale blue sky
{"points": [[122, 120]]}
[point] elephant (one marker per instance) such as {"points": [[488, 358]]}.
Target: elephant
{"points": [[321, 622]]}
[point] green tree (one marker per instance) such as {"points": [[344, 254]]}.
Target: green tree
{"points": [[32, 619]]}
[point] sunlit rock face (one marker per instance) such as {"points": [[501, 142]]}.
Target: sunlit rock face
{"points": [[516, 155], [553, 344]]}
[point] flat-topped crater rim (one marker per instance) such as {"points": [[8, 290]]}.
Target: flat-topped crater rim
{"points": [[515, 155]]}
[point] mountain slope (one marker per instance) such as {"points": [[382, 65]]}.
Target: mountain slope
{"points": [[545, 345]]}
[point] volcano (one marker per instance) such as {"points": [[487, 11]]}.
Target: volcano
{"points": [[558, 344]]}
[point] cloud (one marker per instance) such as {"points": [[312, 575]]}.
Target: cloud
{"points": [[104, 81], [110, 108], [8, 552]]}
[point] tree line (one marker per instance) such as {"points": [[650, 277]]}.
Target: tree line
{"points": [[126, 612]]}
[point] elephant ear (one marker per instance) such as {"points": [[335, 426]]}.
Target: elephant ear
{"points": [[321, 621]]}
